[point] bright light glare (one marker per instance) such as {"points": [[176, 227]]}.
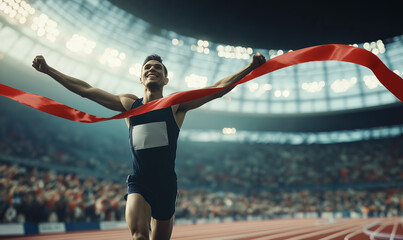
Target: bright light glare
{"points": [[135, 70], [229, 131], [253, 86], [313, 87], [342, 85], [79, 43], [286, 93], [371, 82], [111, 57], [201, 47], [44, 26], [195, 81], [234, 52]]}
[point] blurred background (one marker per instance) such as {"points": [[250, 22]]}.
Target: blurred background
{"points": [[316, 139]]}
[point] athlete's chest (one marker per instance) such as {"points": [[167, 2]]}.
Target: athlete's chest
{"points": [[153, 129]]}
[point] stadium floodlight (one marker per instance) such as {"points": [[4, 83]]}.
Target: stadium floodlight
{"points": [[44, 26], [195, 81], [135, 69], [342, 85], [274, 53], [175, 41], [79, 43], [234, 52], [263, 88], [201, 47], [381, 46], [371, 81], [229, 131], [267, 87], [122, 56], [285, 93], [375, 47], [277, 93], [16, 11], [375, 51], [253, 86], [313, 87], [112, 57], [203, 43]]}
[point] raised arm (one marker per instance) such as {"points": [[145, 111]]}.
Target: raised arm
{"points": [[114, 102], [257, 60]]}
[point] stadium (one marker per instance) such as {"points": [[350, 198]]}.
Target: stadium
{"points": [[310, 151]]}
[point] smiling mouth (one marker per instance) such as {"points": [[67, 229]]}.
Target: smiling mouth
{"points": [[152, 75]]}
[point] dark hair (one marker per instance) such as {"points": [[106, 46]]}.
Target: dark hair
{"points": [[156, 58]]}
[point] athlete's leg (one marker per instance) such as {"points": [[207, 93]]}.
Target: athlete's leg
{"points": [[138, 215], [161, 230]]}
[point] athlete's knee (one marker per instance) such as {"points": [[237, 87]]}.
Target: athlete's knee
{"points": [[140, 236]]}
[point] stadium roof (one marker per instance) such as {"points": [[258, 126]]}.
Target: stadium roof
{"points": [[273, 24]]}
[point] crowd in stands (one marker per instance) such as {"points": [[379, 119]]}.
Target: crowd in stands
{"points": [[224, 164], [56, 142], [216, 179], [39, 195], [213, 165]]}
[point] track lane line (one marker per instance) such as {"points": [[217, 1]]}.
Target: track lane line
{"points": [[321, 232], [339, 235], [254, 233], [245, 229], [305, 233]]}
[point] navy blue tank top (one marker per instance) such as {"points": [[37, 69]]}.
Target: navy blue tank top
{"points": [[153, 140]]}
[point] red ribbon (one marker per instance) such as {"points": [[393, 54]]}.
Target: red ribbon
{"points": [[335, 52]]}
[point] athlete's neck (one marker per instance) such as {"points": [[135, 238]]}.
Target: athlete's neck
{"points": [[151, 95]]}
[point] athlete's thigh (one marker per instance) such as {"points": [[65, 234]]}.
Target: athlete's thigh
{"points": [[138, 215], [162, 229]]}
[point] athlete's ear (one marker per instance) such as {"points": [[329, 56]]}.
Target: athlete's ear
{"points": [[141, 82], [166, 81]]}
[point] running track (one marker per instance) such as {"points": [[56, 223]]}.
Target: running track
{"points": [[290, 229]]}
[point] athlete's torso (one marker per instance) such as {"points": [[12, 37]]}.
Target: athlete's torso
{"points": [[153, 140]]}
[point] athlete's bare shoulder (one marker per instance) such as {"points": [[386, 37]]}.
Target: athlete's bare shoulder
{"points": [[127, 100]]}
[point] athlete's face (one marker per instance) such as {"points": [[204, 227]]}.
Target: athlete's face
{"points": [[153, 74]]}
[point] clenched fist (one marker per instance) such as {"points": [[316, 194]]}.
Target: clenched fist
{"points": [[257, 60], [40, 64]]}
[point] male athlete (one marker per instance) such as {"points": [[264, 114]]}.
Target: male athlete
{"points": [[152, 186]]}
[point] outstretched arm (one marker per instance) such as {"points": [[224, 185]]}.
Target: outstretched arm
{"points": [[114, 102], [257, 60]]}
